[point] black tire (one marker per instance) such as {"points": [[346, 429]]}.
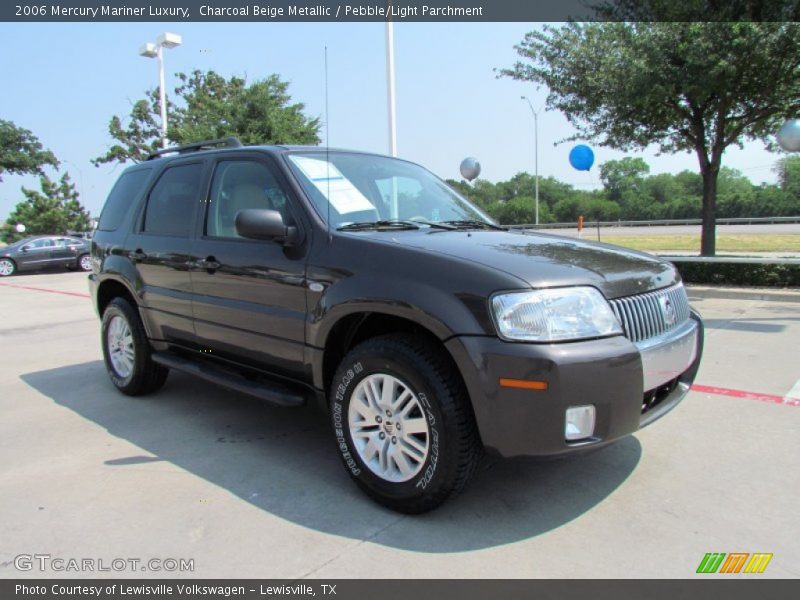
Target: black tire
{"points": [[453, 449], [10, 267], [146, 376]]}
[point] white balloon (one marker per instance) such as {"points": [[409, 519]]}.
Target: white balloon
{"points": [[21, 228], [470, 168], [789, 135]]}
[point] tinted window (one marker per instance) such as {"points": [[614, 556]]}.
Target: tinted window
{"points": [[42, 243], [170, 207], [239, 185], [122, 196]]}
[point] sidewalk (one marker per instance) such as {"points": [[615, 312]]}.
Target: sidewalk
{"points": [[743, 292]]}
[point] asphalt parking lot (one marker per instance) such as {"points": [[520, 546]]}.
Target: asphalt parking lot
{"points": [[248, 490]]}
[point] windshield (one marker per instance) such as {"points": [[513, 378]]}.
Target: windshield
{"points": [[367, 188]]}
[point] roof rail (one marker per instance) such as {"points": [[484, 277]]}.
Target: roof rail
{"points": [[228, 142]]}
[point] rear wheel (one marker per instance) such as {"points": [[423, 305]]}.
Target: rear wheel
{"points": [[85, 262], [7, 267], [126, 351], [403, 423]]}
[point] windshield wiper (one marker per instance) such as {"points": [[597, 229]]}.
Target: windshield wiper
{"points": [[473, 223], [383, 224]]}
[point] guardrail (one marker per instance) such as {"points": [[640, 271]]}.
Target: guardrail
{"points": [[662, 222], [751, 260]]}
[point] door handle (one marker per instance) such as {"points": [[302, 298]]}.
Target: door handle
{"points": [[209, 264], [137, 255]]}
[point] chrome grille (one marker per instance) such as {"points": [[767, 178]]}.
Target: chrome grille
{"points": [[643, 316]]}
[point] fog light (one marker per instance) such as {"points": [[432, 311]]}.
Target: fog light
{"points": [[580, 422]]}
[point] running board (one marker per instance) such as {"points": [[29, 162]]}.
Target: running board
{"points": [[269, 391]]}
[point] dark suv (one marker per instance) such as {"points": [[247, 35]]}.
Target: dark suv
{"points": [[364, 283]]}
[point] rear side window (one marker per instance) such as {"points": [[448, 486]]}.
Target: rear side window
{"points": [[171, 205], [122, 196]]}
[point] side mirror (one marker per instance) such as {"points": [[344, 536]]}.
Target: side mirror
{"points": [[263, 224], [26, 247]]}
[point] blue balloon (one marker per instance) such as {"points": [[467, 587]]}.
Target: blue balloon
{"points": [[581, 157]]}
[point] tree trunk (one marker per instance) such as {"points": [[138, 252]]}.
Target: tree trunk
{"points": [[708, 241]]}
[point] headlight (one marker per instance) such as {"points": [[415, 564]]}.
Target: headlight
{"points": [[553, 315]]}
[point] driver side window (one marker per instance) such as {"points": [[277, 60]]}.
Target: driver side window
{"points": [[239, 185]]}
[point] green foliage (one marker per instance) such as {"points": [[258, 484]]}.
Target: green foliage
{"points": [[209, 106], [630, 194], [54, 210], [21, 152], [680, 84], [788, 170], [740, 274]]}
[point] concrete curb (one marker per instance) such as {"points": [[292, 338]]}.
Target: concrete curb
{"points": [[743, 293]]}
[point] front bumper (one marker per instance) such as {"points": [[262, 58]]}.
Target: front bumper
{"points": [[630, 386]]}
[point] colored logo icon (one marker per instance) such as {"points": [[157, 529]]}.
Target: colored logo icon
{"points": [[734, 562]]}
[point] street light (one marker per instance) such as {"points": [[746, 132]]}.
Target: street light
{"points": [[535, 152], [150, 50]]}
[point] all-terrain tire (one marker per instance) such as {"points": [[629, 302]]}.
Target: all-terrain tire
{"points": [[416, 369]]}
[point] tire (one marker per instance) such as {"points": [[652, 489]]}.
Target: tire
{"points": [[432, 455], [126, 351], [84, 262], [7, 267]]}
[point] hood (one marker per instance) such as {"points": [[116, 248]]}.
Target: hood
{"points": [[544, 260]]}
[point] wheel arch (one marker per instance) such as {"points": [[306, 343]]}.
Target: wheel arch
{"points": [[352, 329], [110, 288]]}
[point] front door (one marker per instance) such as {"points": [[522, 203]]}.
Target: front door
{"points": [[36, 254], [249, 295]]}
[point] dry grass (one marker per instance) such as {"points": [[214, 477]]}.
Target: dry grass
{"points": [[725, 243]]}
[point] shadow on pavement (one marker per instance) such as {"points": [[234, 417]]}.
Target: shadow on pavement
{"points": [[283, 461]]}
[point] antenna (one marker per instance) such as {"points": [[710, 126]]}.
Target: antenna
{"points": [[327, 147]]}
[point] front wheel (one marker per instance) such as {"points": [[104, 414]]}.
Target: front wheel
{"points": [[403, 424], [7, 267], [126, 351]]}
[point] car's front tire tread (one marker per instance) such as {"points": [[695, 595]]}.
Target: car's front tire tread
{"points": [[449, 393]]}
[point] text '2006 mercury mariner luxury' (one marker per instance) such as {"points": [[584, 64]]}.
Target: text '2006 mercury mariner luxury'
{"points": [[364, 283]]}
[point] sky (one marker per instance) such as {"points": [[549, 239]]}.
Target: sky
{"points": [[64, 81]]}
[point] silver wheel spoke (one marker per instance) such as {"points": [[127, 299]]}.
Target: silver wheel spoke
{"points": [[415, 425], [121, 352], [402, 462], [388, 426]]}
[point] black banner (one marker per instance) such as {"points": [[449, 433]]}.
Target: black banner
{"points": [[399, 589], [395, 10]]}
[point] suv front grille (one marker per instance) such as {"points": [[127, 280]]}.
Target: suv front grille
{"points": [[648, 315]]}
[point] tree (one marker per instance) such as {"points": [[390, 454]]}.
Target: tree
{"points": [[21, 152], [54, 210], [623, 177], [788, 171], [209, 106], [684, 86]]}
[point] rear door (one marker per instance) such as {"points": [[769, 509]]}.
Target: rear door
{"points": [[160, 249], [249, 295], [65, 251]]}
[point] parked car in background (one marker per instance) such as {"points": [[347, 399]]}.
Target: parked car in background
{"points": [[45, 251]]}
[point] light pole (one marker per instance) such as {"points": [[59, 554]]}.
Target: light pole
{"points": [[150, 50], [535, 154]]}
